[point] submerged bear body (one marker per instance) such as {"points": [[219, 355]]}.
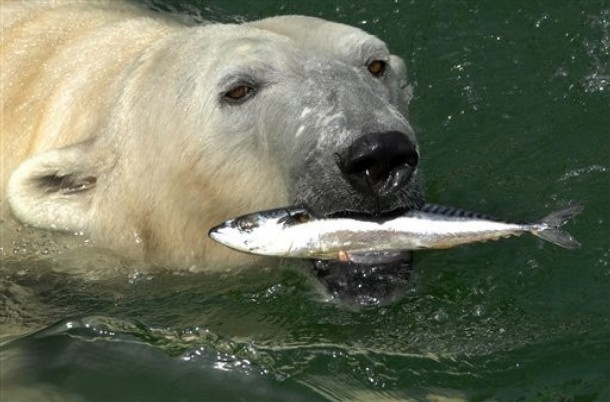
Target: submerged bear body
{"points": [[143, 131]]}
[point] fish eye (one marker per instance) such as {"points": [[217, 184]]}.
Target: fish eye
{"points": [[376, 67], [246, 224]]}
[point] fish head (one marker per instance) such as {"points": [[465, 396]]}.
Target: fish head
{"points": [[260, 232]]}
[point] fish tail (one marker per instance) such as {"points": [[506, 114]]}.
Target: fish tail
{"points": [[549, 228]]}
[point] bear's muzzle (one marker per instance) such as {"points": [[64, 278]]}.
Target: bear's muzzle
{"points": [[378, 164]]}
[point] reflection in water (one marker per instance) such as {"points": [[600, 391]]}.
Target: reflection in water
{"points": [[101, 359], [174, 337], [76, 359]]}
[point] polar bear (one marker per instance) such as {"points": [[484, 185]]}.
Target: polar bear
{"points": [[143, 130]]}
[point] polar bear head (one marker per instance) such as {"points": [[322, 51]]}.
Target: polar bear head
{"points": [[223, 119]]}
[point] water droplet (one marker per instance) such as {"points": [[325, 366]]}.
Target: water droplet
{"points": [[541, 20], [440, 315], [561, 72], [478, 310]]}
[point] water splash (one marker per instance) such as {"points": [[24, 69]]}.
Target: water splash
{"points": [[579, 172], [599, 52]]}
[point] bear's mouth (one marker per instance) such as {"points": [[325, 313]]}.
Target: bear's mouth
{"points": [[365, 284], [369, 215], [380, 281]]}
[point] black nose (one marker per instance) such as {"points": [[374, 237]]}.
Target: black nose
{"points": [[379, 163]]}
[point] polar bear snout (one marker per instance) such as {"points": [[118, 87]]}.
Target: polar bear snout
{"points": [[379, 163]]}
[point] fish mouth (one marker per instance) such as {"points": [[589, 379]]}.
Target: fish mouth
{"points": [[380, 281]]}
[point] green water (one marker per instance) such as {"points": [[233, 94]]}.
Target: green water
{"points": [[512, 110]]}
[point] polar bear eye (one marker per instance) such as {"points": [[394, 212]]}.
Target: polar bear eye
{"points": [[239, 93], [376, 67]]}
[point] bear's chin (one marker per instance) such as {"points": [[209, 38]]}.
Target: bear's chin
{"points": [[365, 284], [380, 281]]}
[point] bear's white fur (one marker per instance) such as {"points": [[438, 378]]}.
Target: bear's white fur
{"points": [[115, 122]]}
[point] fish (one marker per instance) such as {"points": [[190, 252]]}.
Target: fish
{"points": [[294, 232]]}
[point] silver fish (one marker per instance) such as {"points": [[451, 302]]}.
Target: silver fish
{"points": [[294, 232]]}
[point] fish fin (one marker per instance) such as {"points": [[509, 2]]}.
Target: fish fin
{"points": [[554, 221], [559, 237], [559, 218], [373, 257]]}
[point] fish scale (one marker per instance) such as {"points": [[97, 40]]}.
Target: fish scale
{"points": [[457, 212]]}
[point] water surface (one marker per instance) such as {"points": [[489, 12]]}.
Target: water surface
{"points": [[512, 110]]}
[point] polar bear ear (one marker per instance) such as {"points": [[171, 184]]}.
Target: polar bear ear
{"points": [[400, 69], [54, 189]]}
